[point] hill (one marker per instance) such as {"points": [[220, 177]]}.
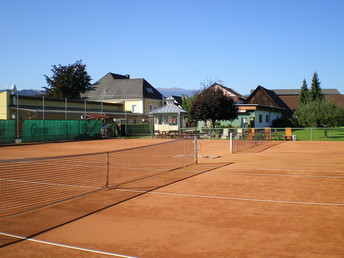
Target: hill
{"points": [[29, 92], [175, 91]]}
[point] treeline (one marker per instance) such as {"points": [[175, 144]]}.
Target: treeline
{"points": [[314, 110]]}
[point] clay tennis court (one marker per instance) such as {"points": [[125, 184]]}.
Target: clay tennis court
{"points": [[283, 199]]}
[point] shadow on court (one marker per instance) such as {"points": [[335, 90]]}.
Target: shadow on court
{"points": [[32, 223]]}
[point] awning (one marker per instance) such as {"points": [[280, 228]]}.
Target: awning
{"points": [[97, 116]]}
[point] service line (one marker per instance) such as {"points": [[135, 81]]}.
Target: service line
{"points": [[232, 198]]}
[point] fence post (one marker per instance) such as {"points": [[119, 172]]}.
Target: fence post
{"points": [[231, 143], [107, 170], [311, 134], [195, 150]]}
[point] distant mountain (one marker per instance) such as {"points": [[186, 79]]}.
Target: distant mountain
{"points": [[175, 91], [29, 92], [164, 91]]}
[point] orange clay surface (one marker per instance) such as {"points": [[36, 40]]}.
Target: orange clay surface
{"points": [[285, 199]]}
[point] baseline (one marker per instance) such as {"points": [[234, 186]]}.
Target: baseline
{"points": [[231, 198], [267, 174], [288, 170], [67, 246]]}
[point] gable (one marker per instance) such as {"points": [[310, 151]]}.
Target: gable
{"points": [[265, 97], [260, 97], [228, 92]]}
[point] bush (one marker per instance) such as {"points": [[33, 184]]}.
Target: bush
{"points": [[282, 122]]}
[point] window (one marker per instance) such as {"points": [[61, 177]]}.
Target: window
{"points": [[134, 108], [170, 120], [267, 118], [260, 118], [150, 90], [150, 107]]}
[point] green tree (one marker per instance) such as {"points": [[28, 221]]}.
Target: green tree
{"points": [[320, 113], [304, 94], [187, 102], [211, 104], [67, 81], [315, 92]]}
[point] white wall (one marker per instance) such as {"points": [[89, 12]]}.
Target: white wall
{"points": [[264, 120]]}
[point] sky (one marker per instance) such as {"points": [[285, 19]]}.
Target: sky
{"points": [[242, 43]]}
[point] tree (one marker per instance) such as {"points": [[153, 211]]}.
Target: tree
{"points": [[304, 94], [211, 104], [186, 105], [315, 92], [68, 81], [320, 113]]}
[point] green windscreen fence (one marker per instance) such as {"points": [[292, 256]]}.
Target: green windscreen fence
{"points": [[7, 131], [139, 129], [54, 130]]}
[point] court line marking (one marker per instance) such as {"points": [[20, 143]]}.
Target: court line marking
{"points": [[43, 183], [278, 169], [260, 174], [67, 246], [232, 198]]}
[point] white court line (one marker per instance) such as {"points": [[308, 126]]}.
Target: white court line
{"points": [[42, 183], [233, 198], [278, 169], [260, 174], [67, 246]]}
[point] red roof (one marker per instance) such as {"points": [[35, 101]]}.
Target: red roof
{"points": [[96, 116]]}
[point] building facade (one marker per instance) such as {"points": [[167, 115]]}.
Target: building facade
{"points": [[138, 97], [169, 118]]}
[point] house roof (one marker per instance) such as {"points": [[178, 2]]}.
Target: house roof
{"points": [[290, 97], [272, 99], [229, 92], [297, 92], [168, 109], [177, 100], [114, 86]]}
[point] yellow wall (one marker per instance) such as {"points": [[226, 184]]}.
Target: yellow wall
{"points": [[143, 106], [4, 99], [128, 105], [155, 103]]}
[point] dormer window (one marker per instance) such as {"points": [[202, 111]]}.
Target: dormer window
{"points": [[105, 89], [150, 90]]}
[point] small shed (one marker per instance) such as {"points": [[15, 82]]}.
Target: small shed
{"points": [[169, 118]]}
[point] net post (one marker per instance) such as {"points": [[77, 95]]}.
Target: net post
{"points": [[107, 170], [195, 150], [184, 150], [231, 143]]}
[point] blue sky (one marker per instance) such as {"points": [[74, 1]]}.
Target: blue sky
{"points": [[244, 43]]}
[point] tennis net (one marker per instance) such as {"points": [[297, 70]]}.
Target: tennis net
{"points": [[241, 140], [32, 183]]}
